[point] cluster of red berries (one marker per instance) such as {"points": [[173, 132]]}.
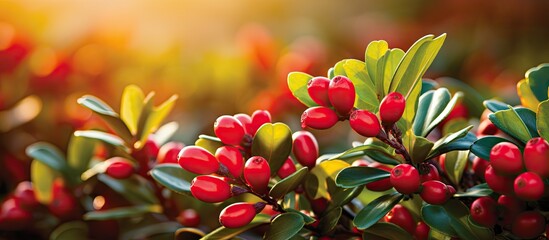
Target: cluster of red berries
{"points": [[231, 170], [336, 99], [401, 216], [519, 177]]}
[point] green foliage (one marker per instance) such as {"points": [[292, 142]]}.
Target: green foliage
{"points": [[108, 115], [285, 226], [434, 107], [376, 209], [122, 212], [480, 190], [297, 82], [542, 116], [135, 189], [388, 231], [69, 231], [42, 177], [228, 233], [511, 123], [288, 184], [454, 165], [172, 176], [79, 155], [357, 176], [481, 147], [274, 143]]}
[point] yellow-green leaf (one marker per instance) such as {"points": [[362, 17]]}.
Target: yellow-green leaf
{"points": [[42, 177], [316, 183], [131, 106], [297, 82]]}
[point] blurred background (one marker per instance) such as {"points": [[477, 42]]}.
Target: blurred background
{"points": [[226, 57]]}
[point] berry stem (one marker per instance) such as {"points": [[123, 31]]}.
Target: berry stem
{"points": [[395, 142]]}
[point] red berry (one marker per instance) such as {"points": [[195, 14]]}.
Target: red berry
{"points": [[63, 204], [479, 166], [305, 148], [484, 211], [246, 122], [506, 158], [319, 205], [146, 155], [528, 225], [287, 169], [510, 207], [498, 183], [231, 157], [451, 190], [435, 192], [189, 218], [24, 193], [405, 178], [529, 186], [197, 160], [168, 152], [380, 185], [319, 118], [365, 123], [400, 216], [422, 231], [237, 215], [317, 88], [392, 107], [229, 130], [120, 169], [259, 117], [341, 93], [432, 174], [487, 128], [536, 156], [257, 174], [210, 189], [13, 216]]}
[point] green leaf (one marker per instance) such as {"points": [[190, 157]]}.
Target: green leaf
{"points": [[107, 138], [150, 119], [209, 143], [284, 226], [288, 184], [329, 221], [122, 212], [150, 230], [297, 82], [438, 219], [375, 51], [108, 115], [79, 154], [165, 133], [223, 233], [357, 176], [344, 196], [377, 153], [171, 176], [410, 109], [331, 73], [316, 183], [428, 85], [387, 231], [306, 218], [527, 97], [338, 68], [480, 190], [376, 209], [529, 118], [542, 122], [274, 143], [495, 105], [49, 155], [454, 164], [434, 107], [510, 122], [42, 177], [392, 59], [421, 148], [131, 106], [356, 72], [135, 189], [101, 167], [69, 231], [482, 147], [538, 79], [460, 140]]}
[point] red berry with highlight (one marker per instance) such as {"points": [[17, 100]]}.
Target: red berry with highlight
{"points": [[506, 158], [392, 107], [237, 215], [231, 157], [484, 211], [120, 169], [287, 169], [341, 93], [400, 216], [528, 225], [197, 160], [405, 178], [210, 189], [259, 117], [168, 152], [422, 231], [529, 186], [498, 183], [317, 88], [246, 122], [305, 148], [319, 118], [257, 174], [229, 130], [487, 128], [24, 193], [435, 192], [189, 218], [536, 156], [431, 174], [365, 123]]}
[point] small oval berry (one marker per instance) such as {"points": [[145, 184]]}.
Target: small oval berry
{"points": [[24, 192], [435, 192], [13, 216], [229, 130], [510, 207], [380, 185], [431, 174], [536, 156], [529, 186], [287, 169], [210, 189], [168, 152], [498, 183], [400, 216], [405, 178], [392, 107], [257, 174], [237, 215], [422, 231], [479, 166], [120, 169], [63, 204], [259, 117], [305, 148], [189, 218], [246, 122], [484, 211], [487, 128], [341, 93], [319, 118], [364, 123], [528, 225], [317, 88], [506, 158], [231, 157], [197, 160]]}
